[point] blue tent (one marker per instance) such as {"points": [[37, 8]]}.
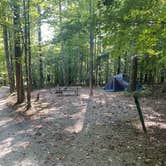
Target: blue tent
{"points": [[116, 83], [119, 82]]}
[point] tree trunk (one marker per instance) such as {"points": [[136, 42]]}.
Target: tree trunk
{"points": [[8, 62], [141, 76], [81, 70], [10, 36], [27, 52], [91, 47], [107, 69], [41, 77], [133, 74], [125, 71], [29, 58], [164, 87], [18, 54], [145, 78], [115, 67], [62, 46], [119, 65], [79, 66], [11, 52]]}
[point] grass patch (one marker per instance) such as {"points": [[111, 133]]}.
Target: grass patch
{"points": [[146, 91]]}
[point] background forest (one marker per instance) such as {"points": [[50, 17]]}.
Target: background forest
{"points": [[69, 42]]}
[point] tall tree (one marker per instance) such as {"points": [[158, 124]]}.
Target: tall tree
{"points": [[62, 45], [133, 74], [18, 52], [8, 60], [41, 79], [29, 57], [91, 46], [27, 47]]}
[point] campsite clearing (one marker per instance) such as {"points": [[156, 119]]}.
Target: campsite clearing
{"points": [[77, 130]]}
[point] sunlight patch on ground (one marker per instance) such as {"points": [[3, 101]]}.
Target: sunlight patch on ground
{"points": [[156, 124], [78, 126], [26, 162], [84, 96], [4, 122], [131, 105], [23, 145], [5, 152], [149, 124], [2, 102], [5, 147], [6, 142]]}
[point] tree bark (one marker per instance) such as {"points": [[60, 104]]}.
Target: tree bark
{"points": [[41, 77], [18, 54], [62, 46], [119, 65], [8, 62], [29, 58], [91, 47], [133, 74], [107, 69], [125, 71], [10, 36], [27, 51]]}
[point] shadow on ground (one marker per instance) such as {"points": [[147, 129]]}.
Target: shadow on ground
{"points": [[71, 131]]}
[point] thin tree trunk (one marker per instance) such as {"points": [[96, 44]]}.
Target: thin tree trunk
{"points": [[29, 58], [91, 47], [41, 77], [119, 65], [62, 46], [87, 70], [107, 70], [79, 65], [133, 74], [125, 65], [27, 52], [25, 43], [7, 56], [11, 44], [81, 70]]}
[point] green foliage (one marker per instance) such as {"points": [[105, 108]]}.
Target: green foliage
{"points": [[142, 93], [122, 28]]}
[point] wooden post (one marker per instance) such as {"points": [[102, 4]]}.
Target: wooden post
{"points": [[140, 112]]}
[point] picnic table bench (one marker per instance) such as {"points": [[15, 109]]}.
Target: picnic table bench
{"points": [[64, 91]]}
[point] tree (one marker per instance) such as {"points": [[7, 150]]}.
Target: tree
{"points": [[81, 40], [91, 46], [8, 60], [133, 74], [27, 47], [18, 52], [41, 83], [62, 45], [130, 21]]}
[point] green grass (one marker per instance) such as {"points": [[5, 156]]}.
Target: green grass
{"points": [[146, 91]]}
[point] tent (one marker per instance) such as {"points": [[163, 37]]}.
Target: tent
{"points": [[119, 82], [116, 83]]}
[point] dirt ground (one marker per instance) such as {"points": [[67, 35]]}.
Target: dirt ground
{"points": [[69, 130]]}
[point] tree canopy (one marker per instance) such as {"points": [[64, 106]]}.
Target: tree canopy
{"points": [[74, 41]]}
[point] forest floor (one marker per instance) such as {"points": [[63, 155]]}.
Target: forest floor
{"points": [[103, 130]]}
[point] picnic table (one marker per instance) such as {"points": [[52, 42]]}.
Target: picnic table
{"points": [[67, 91]]}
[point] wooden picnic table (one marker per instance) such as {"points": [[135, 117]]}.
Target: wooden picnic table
{"points": [[61, 90]]}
